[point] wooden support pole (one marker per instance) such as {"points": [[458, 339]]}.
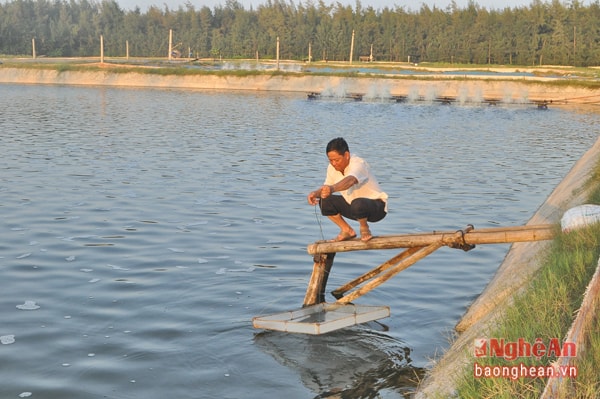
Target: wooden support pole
{"points": [[315, 293], [403, 264], [498, 235], [339, 292]]}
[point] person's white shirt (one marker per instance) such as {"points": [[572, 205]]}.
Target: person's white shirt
{"points": [[367, 186]]}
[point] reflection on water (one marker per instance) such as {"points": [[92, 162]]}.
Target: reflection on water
{"points": [[353, 363], [143, 229]]}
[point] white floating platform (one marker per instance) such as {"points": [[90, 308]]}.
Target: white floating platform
{"points": [[321, 318]]}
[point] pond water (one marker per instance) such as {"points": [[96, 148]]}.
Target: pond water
{"points": [[143, 229]]}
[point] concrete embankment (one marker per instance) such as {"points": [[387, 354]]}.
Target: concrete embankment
{"points": [[514, 90]]}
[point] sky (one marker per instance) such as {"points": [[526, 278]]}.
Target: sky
{"points": [[409, 5]]}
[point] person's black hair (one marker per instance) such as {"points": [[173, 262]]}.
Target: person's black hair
{"points": [[338, 145]]}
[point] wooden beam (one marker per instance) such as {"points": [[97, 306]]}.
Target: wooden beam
{"points": [[403, 264], [339, 292], [395, 265], [498, 235]]}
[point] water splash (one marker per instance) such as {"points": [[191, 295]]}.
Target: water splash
{"points": [[413, 94], [463, 96], [7, 339], [478, 96], [378, 92], [225, 270], [115, 267], [28, 305], [339, 91], [430, 94]]}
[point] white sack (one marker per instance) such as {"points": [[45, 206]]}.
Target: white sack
{"points": [[580, 216]]}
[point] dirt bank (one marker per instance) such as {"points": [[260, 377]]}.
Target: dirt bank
{"points": [[475, 89]]}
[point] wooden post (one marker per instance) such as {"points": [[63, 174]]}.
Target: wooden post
{"points": [[170, 43], [101, 49], [127, 48], [315, 293], [278, 53], [574, 42], [33, 47], [352, 47]]}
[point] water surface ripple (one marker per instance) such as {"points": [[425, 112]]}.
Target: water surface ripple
{"points": [[143, 229]]}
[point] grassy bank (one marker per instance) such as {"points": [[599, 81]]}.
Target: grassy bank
{"points": [[546, 311]]}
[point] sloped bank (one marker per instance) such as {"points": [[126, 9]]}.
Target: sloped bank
{"points": [[473, 88], [521, 262]]}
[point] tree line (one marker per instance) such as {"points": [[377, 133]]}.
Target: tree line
{"points": [[541, 33]]}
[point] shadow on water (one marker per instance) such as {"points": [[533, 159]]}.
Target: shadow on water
{"points": [[357, 363]]}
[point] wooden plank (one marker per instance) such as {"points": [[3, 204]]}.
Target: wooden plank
{"points": [[499, 235]]}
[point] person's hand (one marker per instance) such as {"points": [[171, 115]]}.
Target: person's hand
{"points": [[326, 191], [312, 198]]}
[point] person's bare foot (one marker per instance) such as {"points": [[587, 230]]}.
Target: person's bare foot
{"points": [[344, 236], [365, 234]]}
